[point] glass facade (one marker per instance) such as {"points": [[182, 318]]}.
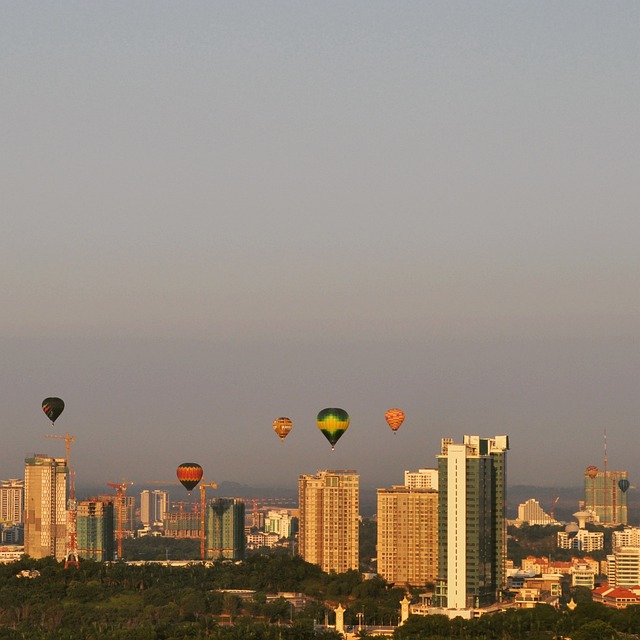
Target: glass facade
{"points": [[471, 522]]}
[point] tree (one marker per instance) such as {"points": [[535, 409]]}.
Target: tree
{"points": [[595, 630]]}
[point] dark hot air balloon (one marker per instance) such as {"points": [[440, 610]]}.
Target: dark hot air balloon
{"points": [[282, 426], [394, 418], [53, 407], [189, 474], [333, 423], [623, 483]]}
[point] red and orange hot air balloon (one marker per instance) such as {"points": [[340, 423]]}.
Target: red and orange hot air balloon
{"points": [[591, 471], [395, 418], [189, 474], [282, 426]]}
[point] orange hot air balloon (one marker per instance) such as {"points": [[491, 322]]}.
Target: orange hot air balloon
{"points": [[591, 471], [282, 426], [394, 418], [189, 474]]}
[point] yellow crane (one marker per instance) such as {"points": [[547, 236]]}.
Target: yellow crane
{"points": [[71, 556], [121, 489]]}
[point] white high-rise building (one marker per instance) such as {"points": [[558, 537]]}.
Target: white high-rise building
{"points": [[623, 567], [329, 519], [153, 506], [532, 513], [279, 521], [12, 501], [628, 537], [421, 479], [45, 512], [472, 531]]}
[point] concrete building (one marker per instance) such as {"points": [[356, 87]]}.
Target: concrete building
{"points": [[407, 547], [153, 506], [472, 535], [616, 597], [421, 479], [224, 529], [329, 519], [603, 496], [580, 540], [280, 521], [628, 537], [45, 514], [11, 501], [95, 532], [623, 567], [182, 524], [583, 575], [531, 513], [261, 539]]}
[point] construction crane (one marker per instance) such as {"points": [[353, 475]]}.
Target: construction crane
{"points": [[71, 555], [121, 489], [203, 489]]}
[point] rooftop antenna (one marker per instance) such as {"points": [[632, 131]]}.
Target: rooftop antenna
{"points": [[605, 485]]}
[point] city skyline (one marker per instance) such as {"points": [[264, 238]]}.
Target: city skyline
{"points": [[219, 214]]}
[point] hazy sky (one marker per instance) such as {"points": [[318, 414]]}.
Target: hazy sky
{"points": [[218, 213]]}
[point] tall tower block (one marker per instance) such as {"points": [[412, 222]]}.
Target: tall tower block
{"points": [[329, 518], [472, 536], [45, 513]]}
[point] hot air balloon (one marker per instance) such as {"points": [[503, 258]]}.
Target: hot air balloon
{"points": [[282, 426], [53, 407], [333, 423], [623, 483], [591, 471], [189, 474], [394, 418]]}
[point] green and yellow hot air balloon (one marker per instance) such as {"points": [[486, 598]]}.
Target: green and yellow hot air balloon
{"points": [[333, 423]]}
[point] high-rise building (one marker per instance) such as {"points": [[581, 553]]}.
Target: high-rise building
{"points": [[224, 529], [153, 506], [628, 537], [603, 496], [329, 519], [472, 535], [421, 479], [530, 512], [45, 513], [11, 501], [623, 567], [408, 535], [94, 524], [127, 526]]}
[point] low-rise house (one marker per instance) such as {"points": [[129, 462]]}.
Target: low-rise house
{"points": [[617, 597]]}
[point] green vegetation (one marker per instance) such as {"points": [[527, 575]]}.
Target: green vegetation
{"points": [[153, 602]]}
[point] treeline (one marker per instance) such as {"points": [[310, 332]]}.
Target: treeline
{"points": [[153, 602], [589, 621]]}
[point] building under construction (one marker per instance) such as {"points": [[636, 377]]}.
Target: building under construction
{"points": [[95, 529]]}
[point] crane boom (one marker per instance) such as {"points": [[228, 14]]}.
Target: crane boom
{"points": [[121, 489]]}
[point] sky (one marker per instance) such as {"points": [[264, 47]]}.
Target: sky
{"points": [[218, 213]]}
